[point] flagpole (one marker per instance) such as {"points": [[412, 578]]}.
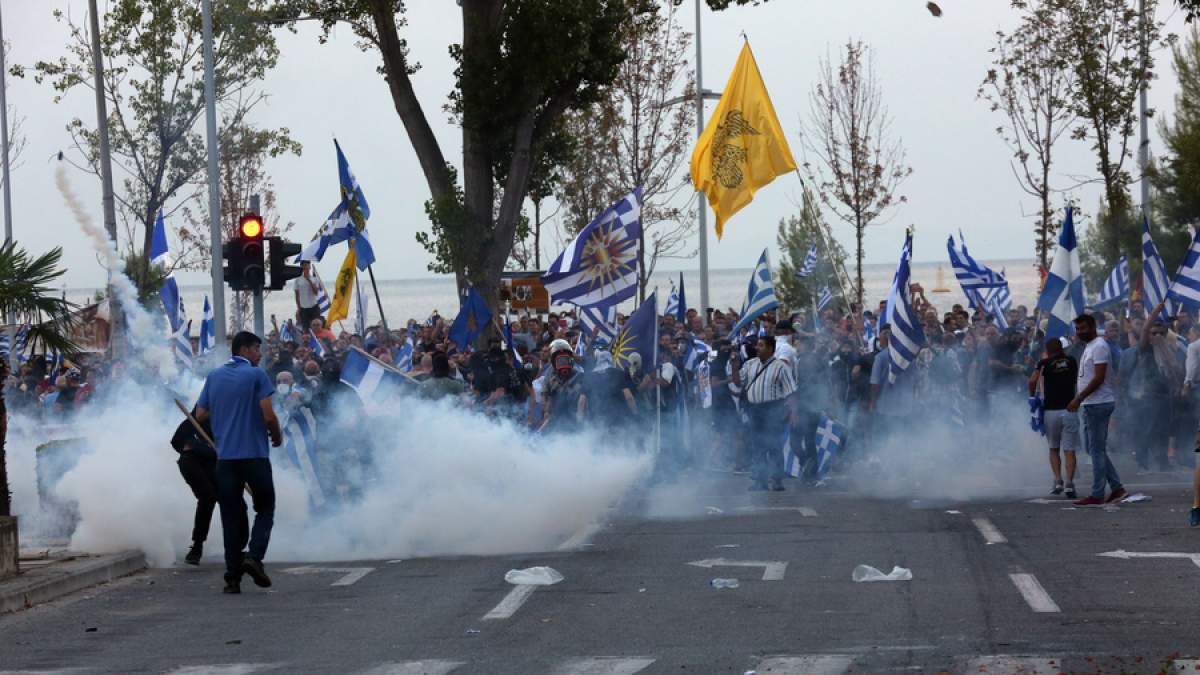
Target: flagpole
{"points": [[657, 389], [378, 300], [806, 207], [383, 365], [701, 202]]}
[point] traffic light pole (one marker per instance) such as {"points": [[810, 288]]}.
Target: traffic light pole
{"points": [[259, 324], [214, 187]]}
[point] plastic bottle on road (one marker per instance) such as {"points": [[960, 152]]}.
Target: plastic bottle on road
{"points": [[724, 583]]}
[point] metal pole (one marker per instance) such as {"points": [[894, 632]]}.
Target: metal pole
{"points": [[259, 322], [116, 339], [4, 142], [702, 204], [378, 300], [214, 187], [1144, 123]]}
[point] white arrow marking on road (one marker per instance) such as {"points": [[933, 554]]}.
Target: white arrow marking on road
{"points": [[806, 511], [773, 570], [352, 574], [511, 602], [1126, 555]]}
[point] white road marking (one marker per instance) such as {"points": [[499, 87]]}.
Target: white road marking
{"points": [[1002, 664], [222, 669], [805, 511], [1184, 666], [428, 667], [350, 574], [1035, 596], [809, 664], [990, 534], [603, 665], [511, 603], [581, 537], [1126, 555], [773, 570]]}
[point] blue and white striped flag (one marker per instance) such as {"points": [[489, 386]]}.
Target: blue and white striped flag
{"points": [[697, 353], [908, 336], [830, 439], [870, 330], [825, 298], [369, 378], [974, 277], [672, 302], [4, 350], [810, 263], [760, 295], [300, 446], [208, 340], [19, 342], [287, 333], [316, 346], [404, 356], [1155, 283], [1185, 290], [997, 303], [1116, 287], [1062, 297], [600, 266], [323, 301], [591, 318]]}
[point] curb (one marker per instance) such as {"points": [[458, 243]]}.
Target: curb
{"points": [[17, 594]]}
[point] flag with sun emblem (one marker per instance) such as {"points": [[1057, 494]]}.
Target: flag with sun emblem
{"points": [[599, 268], [743, 147], [639, 336]]}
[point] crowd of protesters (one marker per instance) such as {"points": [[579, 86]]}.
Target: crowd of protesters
{"points": [[720, 400]]}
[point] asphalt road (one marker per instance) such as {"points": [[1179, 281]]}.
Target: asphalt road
{"points": [[1006, 586]]}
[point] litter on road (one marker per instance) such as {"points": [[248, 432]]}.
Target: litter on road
{"points": [[868, 573], [534, 576], [724, 583]]}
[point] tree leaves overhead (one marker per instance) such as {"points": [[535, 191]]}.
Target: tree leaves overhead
{"points": [[27, 291]]}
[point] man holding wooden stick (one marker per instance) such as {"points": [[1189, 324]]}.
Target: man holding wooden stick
{"points": [[236, 399]]}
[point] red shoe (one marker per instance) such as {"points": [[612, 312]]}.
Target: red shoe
{"points": [[1088, 501], [1116, 496]]}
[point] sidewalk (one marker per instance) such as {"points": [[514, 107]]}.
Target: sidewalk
{"points": [[50, 574]]}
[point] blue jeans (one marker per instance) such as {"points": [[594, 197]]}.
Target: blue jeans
{"points": [[768, 424], [232, 475], [1095, 439]]}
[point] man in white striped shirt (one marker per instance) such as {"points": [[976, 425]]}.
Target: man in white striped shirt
{"points": [[767, 385]]}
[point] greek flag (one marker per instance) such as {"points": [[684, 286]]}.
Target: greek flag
{"points": [[869, 332], [508, 341], [366, 376], [4, 351], [995, 303], [830, 438], [591, 318], [323, 301], [404, 356], [907, 334], [672, 302], [19, 342], [697, 353], [316, 346], [286, 332], [600, 266], [581, 346], [347, 221], [791, 458], [1063, 295], [1186, 288], [760, 295], [825, 298], [1155, 283], [810, 263], [1037, 414], [207, 329], [972, 276], [1116, 287], [300, 446]]}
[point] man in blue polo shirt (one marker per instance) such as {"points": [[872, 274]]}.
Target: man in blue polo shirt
{"points": [[236, 399]]}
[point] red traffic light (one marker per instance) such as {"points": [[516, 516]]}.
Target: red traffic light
{"points": [[251, 226]]}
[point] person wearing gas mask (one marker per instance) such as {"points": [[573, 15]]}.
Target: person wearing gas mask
{"points": [[563, 410]]}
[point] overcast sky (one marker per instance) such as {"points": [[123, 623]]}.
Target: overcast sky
{"points": [[930, 70]]}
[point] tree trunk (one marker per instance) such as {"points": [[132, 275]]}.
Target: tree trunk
{"points": [[537, 234], [1045, 252], [858, 257], [5, 496]]}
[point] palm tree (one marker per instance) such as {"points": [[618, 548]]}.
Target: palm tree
{"points": [[26, 290]]}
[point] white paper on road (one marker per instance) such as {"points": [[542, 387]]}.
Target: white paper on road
{"points": [[867, 573], [534, 576]]}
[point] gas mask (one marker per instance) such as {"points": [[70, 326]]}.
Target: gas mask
{"points": [[564, 364]]}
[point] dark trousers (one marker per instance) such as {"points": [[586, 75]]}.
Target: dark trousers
{"points": [[805, 432], [768, 423], [200, 473], [1154, 420], [305, 315], [233, 475]]}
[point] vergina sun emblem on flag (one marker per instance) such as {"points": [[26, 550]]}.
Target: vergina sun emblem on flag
{"points": [[607, 258], [623, 347]]}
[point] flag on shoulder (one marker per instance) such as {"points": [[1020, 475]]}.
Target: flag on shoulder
{"points": [[1062, 297], [1116, 286], [743, 148], [600, 265], [908, 336], [760, 295]]}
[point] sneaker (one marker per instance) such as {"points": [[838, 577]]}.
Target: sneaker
{"points": [[194, 554], [1195, 516], [1058, 488], [1088, 501], [1116, 496], [232, 588], [1070, 492], [777, 486], [255, 569]]}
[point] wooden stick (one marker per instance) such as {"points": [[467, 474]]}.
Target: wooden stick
{"points": [[196, 424], [384, 365]]}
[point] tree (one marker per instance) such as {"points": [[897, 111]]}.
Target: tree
{"points": [[27, 291], [154, 85], [634, 137], [16, 130], [858, 166], [1104, 42], [795, 236], [521, 67], [1030, 83], [1177, 174]]}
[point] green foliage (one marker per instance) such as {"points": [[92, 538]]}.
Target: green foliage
{"points": [[27, 291], [1177, 175], [795, 236], [446, 239]]}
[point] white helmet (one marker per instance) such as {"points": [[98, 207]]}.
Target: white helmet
{"points": [[560, 345]]}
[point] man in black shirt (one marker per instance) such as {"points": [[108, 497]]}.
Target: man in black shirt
{"points": [[198, 464], [1058, 372]]}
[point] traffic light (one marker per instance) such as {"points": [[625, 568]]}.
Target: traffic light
{"points": [[231, 253], [281, 271], [250, 250]]}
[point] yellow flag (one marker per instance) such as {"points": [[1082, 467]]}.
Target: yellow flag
{"points": [[342, 288], [743, 147]]}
